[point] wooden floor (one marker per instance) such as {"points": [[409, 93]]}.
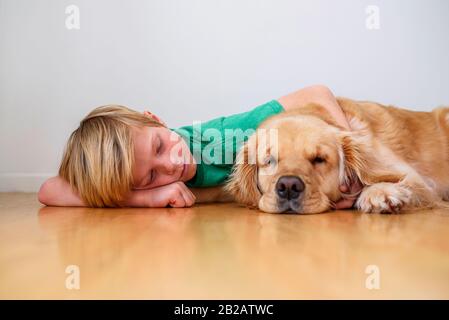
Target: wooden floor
{"points": [[218, 251]]}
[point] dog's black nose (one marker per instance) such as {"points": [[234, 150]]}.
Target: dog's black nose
{"points": [[289, 187]]}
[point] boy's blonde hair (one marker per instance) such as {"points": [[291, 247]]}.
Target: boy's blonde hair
{"points": [[99, 155]]}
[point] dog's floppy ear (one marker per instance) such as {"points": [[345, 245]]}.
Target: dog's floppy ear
{"points": [[242, 183], [360, 162]]}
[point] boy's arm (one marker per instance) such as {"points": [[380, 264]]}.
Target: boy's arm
{"points": [[58, 192], [211, 194], [318, 94]]}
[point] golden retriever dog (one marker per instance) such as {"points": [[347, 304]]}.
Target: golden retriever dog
{"points": [[401, 158]]}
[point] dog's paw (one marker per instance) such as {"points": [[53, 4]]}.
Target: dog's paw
{"points": [[384, 198]]}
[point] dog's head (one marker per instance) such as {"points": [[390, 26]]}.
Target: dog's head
{"points": [[296, 163]]}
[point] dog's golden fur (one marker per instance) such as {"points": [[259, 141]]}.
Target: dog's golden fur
{"points": [[401, 157]]}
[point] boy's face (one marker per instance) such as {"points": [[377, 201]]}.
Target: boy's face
{"points": [[161, 157]]}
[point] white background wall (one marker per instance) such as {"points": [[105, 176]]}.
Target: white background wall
{"points": [[197, 59]]}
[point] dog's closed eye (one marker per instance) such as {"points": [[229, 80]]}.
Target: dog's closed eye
{"points": [[317, 160], [269, 161]]}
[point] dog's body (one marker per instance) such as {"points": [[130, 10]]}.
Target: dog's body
{"points": [[400, 156]]}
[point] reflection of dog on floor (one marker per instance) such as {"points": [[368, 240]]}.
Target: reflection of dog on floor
{"points": [[401, 157]]}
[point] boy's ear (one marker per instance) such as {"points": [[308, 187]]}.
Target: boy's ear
{"points": [[153, 116]]}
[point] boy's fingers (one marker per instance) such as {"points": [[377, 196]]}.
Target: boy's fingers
{"points": [[177, 203], [188, 200], [180, 200], [344, 204], [172, 203], [188, 195], [191, 194]]}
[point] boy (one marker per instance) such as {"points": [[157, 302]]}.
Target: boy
{"points": [[119, 157]]}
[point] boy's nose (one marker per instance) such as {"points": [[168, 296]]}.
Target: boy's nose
{"points": [[171, 169], [169, 166]]}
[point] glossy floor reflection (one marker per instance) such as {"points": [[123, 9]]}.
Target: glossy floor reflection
{"points": [[219, 252]]}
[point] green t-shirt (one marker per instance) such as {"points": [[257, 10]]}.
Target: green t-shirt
{"points": [[215, 143]]}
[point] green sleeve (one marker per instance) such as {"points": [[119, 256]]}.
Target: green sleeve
{"points": [[215, 143]]}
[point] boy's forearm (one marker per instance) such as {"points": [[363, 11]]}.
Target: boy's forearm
{"points": [[57, 192], [315, 94], [137, 199], [211, 194]]}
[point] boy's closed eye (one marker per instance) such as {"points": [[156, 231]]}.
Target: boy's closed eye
{"points": [[159, 147], [152, 175]]}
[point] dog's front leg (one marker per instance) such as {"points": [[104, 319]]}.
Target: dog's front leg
{"points": [[387, 197], [384, 197], [390, 183]]}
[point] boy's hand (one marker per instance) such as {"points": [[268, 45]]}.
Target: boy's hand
{"points": [[176, 195], [349, 195]]}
